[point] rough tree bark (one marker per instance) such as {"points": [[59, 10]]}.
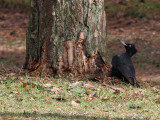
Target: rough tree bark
{"points": [[66, 36]]}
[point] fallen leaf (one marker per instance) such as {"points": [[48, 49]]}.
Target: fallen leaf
{"points": [[117, 91], [36, 106], [59, 109], [85, 106], [107, 118], [11, 95], [56, 90], [93, 96], [75, 84], [78, 90], [135, 107], [32, 99], [74, 103], [120, 89], [11, 74], [158, 101], [17, 92], [48, 85], [116, 81], [20, 78], [94, 118], [77, 101], [139, 92], [105, 99], [106, 111], [48, 102], [24, 84], [88, 93], [89, 86], [60, 99], [73, 113], [155, 89], [8, 88], [19, 99]]}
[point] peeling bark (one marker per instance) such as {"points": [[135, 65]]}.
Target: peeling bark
{"points": [[68, 53], [66, 36]]}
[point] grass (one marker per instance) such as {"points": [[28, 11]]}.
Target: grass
{"points": [[14, 42], [134, 8], [49, 98], [145, 10], [23, 2]]}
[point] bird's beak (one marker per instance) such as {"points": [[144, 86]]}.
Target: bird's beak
{"points": [[123, 43]]}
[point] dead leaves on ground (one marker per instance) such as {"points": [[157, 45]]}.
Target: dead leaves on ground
{"points": [[56, 90], [105, 99], [135, 107], [24, 85], [77, 93], [89, 86], [158, 101], [60, 99]]}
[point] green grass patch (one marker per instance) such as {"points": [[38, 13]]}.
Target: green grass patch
{"points": [[145, 10], [22, 2], [134, 8], [48, 98], [113, 10]]}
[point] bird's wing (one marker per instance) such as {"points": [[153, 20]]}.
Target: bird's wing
{"points": [[128, 72]]}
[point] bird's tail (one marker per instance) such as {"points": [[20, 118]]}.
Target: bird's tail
{"points": [[133, 82]]}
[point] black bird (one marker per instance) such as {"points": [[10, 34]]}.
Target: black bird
{"points": [[122, 65]]}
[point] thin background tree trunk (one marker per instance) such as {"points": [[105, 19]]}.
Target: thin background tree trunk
{"points": [[66, 35]]}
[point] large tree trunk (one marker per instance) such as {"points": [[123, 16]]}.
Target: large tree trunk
{"points": [[66, 35]]}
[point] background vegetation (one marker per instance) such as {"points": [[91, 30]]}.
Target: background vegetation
{"points": [[134, 8]]}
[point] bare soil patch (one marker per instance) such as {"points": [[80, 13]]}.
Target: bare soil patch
{"points": [[13, 26]]}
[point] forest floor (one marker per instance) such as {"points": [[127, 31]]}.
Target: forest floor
{"points": [[49, 98]]}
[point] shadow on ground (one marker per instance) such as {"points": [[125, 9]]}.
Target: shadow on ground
{"points": [[58, 116]]}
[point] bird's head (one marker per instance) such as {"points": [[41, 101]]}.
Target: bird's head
{"points": [[130, 48]]}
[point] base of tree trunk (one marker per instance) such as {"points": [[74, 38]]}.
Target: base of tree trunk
{"points": [[67, 37]]}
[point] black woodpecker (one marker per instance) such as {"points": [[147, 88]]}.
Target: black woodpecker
{"points": [[122, 66]]}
